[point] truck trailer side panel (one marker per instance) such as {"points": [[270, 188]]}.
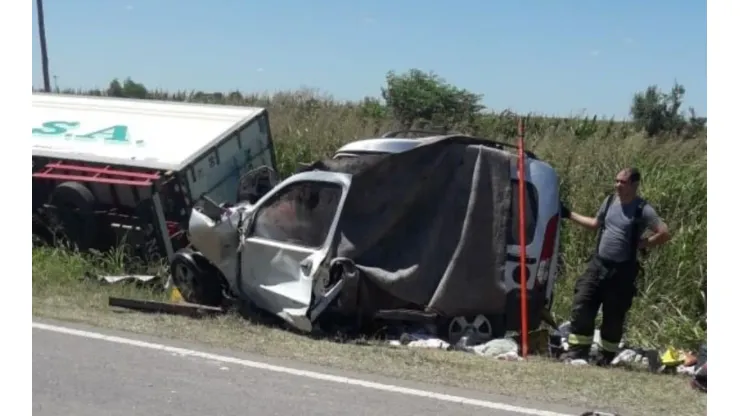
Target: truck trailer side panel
{"points": [[128, 132], [216, 173]]}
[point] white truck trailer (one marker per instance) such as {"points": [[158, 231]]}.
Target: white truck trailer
{"points": [[108, 167]]}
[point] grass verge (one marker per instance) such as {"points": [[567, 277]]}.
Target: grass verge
{"points": [[61, 291]]}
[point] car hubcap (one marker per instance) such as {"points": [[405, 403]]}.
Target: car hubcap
{"points": [[479, 325]]}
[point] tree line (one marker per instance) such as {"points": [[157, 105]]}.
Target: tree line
{"points": [[418, 99]]}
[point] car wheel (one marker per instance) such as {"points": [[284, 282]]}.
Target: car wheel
{"points": [[482, 327], [196, 283]]}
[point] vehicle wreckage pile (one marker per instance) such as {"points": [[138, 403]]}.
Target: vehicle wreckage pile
{"points": [[376, 237]]}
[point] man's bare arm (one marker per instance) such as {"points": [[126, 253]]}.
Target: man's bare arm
{"points": [[590, 223], [582, 220], [661, 234]]}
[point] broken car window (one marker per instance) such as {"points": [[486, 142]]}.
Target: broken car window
{"points": [[301, 214]]}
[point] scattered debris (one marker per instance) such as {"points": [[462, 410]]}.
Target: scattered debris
{"points": [[184, 309], [645, 358], [420, 340], [672, 357], [152, 281], [686, 370], [125, 278], [672, 360], [501, 349]]}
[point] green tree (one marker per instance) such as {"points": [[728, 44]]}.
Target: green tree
{"points": [[133, 89], [419, 99], [129, 89], [657, 113], [115, 89]]}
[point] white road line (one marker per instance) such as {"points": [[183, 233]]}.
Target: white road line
{"points": [[296, 372]]}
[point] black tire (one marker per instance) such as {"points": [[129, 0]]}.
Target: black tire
{"points": [[194, 280], [75, 206]]}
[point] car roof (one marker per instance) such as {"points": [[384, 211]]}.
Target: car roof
{"points": [[384, 145], [402, 144]]}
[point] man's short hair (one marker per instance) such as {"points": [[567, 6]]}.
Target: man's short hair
{"points": [[634, 174]]}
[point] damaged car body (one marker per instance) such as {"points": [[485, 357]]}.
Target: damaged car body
{"points": [[426, 233], [275, 252]]}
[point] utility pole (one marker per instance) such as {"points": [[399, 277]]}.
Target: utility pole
{"points": [[42, 39]]}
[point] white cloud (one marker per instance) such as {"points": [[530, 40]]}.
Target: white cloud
{"points": [[129, 8], [260, 69]]}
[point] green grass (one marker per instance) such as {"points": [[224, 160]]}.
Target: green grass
{"points": [[586, 153]]}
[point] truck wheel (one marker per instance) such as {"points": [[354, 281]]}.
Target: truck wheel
{"points": [[196, 283], [74, 209]]}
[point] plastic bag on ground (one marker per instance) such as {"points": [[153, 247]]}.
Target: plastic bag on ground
{"points": [[497, 347], [420, 340]]}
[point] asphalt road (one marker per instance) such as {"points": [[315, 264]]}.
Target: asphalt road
{"points": [[79, 375]]}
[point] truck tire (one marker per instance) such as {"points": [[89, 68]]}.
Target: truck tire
{"points": [[75, 210]]}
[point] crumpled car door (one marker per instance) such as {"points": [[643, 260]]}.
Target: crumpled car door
{"points": [[286, 244]]}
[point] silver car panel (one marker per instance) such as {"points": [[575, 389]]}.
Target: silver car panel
{"points": [[284, 279]]}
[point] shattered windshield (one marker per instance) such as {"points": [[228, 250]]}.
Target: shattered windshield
{"points": [[301, 213]]}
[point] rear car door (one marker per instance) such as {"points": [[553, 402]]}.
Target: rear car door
{"points": [[288, 242]]}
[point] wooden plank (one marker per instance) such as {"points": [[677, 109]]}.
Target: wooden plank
{"points": [[184, 309]]}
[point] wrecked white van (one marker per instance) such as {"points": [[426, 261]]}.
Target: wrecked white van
{"points": [[420, 235]]}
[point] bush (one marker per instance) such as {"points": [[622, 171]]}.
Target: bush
{"points": [[586, 152]]}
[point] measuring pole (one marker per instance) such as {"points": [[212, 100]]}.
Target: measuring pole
{"points": [[522, 244]]}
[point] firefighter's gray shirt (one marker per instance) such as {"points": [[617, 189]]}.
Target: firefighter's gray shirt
{"points": [[616, 237]]}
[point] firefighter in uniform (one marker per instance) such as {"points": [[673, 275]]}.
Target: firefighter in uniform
{"points": [[610, 278]]}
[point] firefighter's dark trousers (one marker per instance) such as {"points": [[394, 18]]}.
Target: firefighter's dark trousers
{"points": [[610, 286]]}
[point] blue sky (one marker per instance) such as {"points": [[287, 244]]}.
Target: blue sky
{"points": [[551, 57]]}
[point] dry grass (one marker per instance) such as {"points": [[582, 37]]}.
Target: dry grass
{"points": [[60, 291]]}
